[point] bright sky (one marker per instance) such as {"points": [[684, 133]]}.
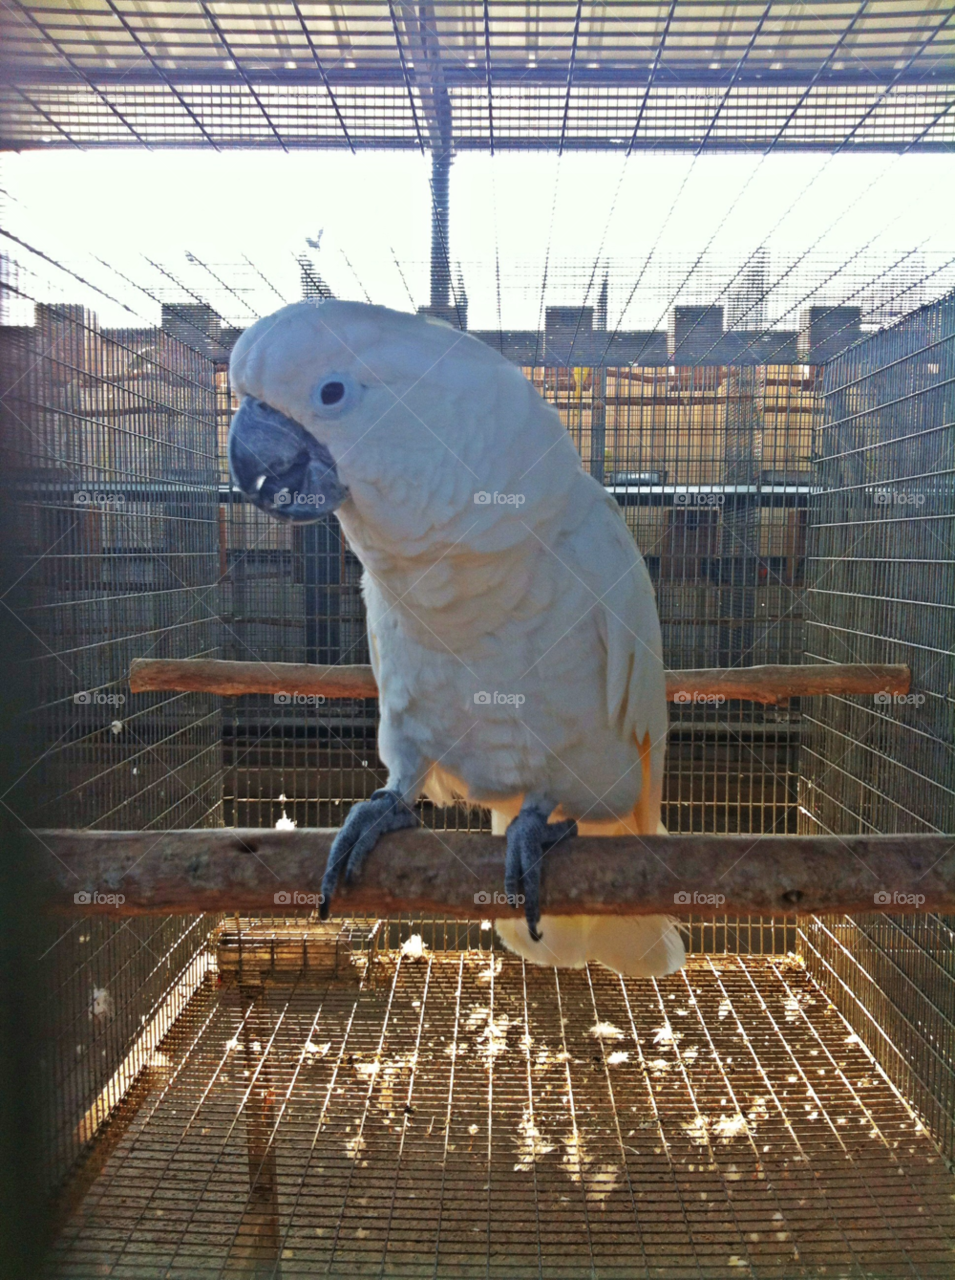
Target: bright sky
{"points": [[510, 213]]}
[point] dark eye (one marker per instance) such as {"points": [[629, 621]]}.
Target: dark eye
{"points": [[332, 391], [336, 394]]}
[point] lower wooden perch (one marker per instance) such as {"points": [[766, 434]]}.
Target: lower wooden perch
{"points": [[297, 679], [460, 873]]}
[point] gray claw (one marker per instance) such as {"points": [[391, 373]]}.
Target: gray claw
{"points": [[529, 837], [383, 811]]}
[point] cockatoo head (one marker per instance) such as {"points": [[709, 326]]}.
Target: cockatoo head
{"points": [[403, 423]]}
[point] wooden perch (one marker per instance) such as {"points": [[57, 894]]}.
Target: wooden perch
{"points": [[450, 873], [291, 679], [210, 675]]}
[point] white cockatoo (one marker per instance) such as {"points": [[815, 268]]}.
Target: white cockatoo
{"points": [[511, 620]]}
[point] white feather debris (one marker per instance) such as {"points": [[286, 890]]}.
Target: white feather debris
{"points": [[666, 1035], [413, 948], [480, 1013], [285, 823], [493, 969], [355, 1146], [606, 1031], [599, 1180], [495, 1036], [730, 1127], [101, 1003], [701, 1128], [531, 1143]]}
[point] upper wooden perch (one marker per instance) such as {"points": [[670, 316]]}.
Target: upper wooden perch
{"points": [[753, 684]]}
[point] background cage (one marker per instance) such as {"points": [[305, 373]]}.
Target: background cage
{"points": [[269, 1097], [111, 435], [882, 532], [712, 468]]}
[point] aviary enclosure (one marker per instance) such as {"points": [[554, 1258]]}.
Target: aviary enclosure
{"points": [[258, 1094]]}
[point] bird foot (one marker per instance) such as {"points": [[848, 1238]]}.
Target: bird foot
{"points": [[529, 837], [383, 811]]}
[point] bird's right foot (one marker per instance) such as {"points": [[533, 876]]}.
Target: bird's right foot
{"points": [[367, 821]]}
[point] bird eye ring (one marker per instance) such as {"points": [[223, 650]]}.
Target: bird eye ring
{"points": [[335, 395]]}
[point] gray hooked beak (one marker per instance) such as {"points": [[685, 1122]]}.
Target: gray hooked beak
{"points": [[280, 467]]}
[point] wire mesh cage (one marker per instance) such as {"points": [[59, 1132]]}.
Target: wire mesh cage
{"points": [[273, 1096], [881, 587], [109, 449], [498, 76]]}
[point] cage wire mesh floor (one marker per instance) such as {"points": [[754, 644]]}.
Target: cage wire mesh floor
{"points": [[458, 1114]]}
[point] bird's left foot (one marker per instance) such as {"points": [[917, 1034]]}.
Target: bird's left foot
{"points": [[384, 811], [529, 837]]}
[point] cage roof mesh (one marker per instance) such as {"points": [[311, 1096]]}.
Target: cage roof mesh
{"points": [[559, 74]]}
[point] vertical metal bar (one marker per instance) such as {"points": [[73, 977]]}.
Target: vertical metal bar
{"points": [[440, 227]]}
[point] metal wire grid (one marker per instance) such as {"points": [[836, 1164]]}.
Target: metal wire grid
{"points": [[470, 1116], [112, 437], [893, 979], [113, 992], [882, 581], [110, 454], [881, 588], [716, 936], [760, 308], [491, 75]]}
